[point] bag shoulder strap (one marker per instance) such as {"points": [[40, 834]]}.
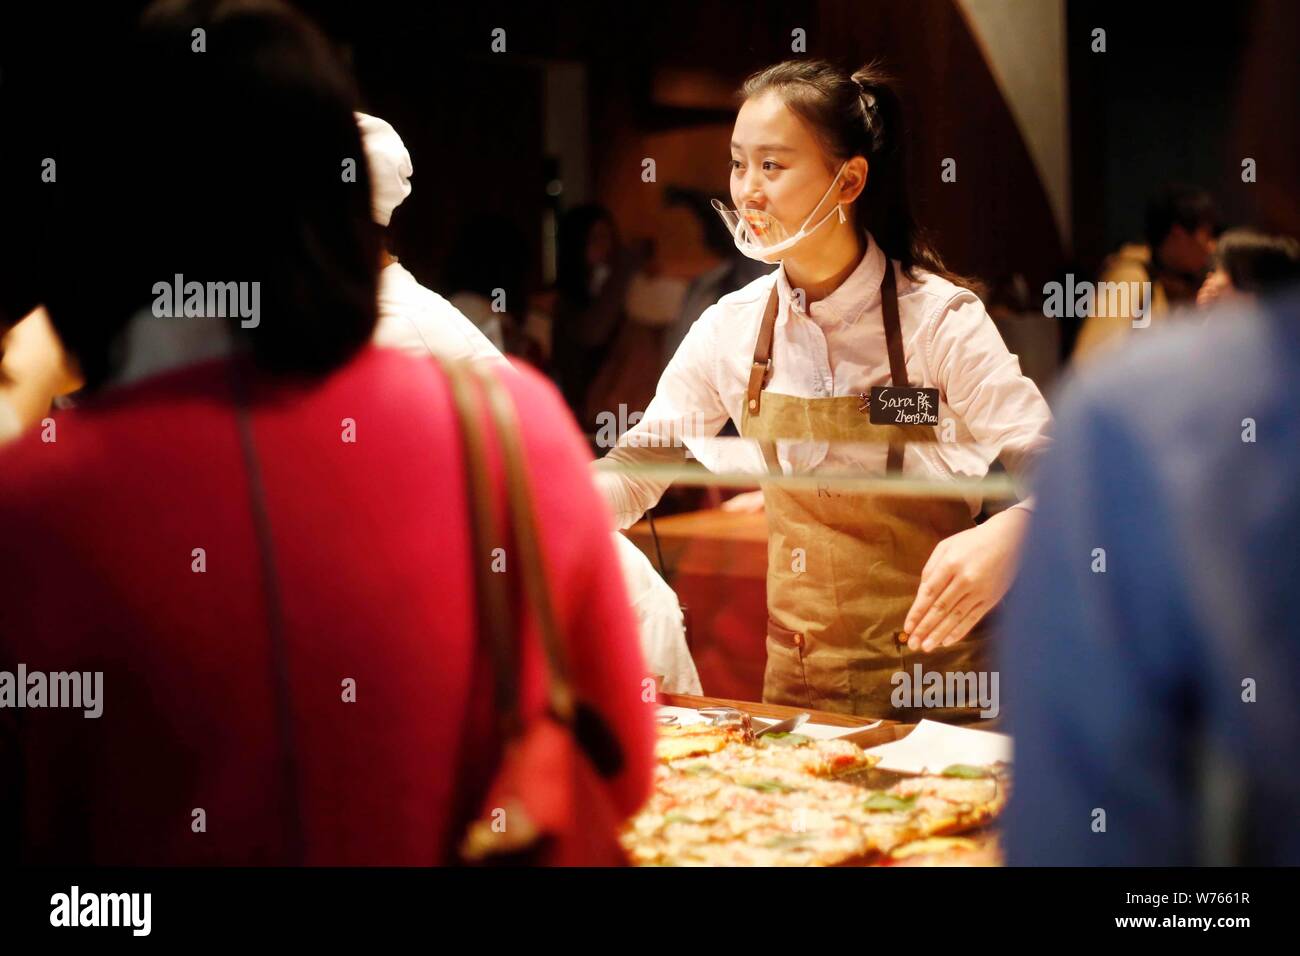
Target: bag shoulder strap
{"points": [[527, 546], [593, 734], [494, 617], [473, 391]]}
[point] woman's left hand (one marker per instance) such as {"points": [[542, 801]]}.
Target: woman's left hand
{"points": [[966, 575]]}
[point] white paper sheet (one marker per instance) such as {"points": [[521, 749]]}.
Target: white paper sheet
{"points": [[932, 746], [687, 716]]}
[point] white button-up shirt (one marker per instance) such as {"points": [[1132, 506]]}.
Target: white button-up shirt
{"points": [[659, 619], [837, 348], [419, 321]]}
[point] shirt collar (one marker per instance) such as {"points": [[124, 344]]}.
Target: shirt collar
{"points": [[855, 297]]}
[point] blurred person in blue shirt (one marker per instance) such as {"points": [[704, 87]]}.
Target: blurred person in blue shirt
{"points": [[1151, 654]]}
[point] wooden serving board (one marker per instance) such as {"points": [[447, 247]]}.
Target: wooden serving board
{"points": [[886, 732]]}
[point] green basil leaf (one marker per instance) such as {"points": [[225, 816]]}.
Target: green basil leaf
{"points": [[695, 769], [966, 772], [787, 840], [881, 801], [788, 739]]}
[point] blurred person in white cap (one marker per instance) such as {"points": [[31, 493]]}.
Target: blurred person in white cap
{"points": [[418, 320], [411, 317], [659, 619]]}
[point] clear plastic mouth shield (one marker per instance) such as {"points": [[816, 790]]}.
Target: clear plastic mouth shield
{"points": [[759, 235]]}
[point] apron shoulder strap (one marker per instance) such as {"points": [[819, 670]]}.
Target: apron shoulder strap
{"points": [[894, 346], [762, 353], [893, 328]]}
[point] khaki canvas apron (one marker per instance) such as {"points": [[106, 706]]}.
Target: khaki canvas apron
{"points": [[835, 610]]}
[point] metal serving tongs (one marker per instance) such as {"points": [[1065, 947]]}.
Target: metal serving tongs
{"points": [[784, 727]]}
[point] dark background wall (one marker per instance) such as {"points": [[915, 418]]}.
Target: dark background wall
{"points": [[1182, 93], [1163, 102], [659, 85]]}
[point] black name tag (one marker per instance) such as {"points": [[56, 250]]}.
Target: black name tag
{"points": [[892, 405]]}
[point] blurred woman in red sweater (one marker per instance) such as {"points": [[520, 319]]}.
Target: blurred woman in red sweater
{"points": [[256, 527]]}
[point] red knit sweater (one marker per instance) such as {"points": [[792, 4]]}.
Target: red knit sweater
{"points": [[98, 531]]}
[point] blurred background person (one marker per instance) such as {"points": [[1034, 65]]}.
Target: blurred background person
{"points": [[486, 271], [632, 367], [1247, 264], [593, 273], [253, 512], [1151, 645], [1033, 337], [732, 270], [660, 621], [411, 317], [421, 322], [1181, 223]]}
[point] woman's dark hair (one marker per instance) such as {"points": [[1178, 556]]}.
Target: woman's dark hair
{"points": [[220, 152], [1259, 263], [19, 265], [860, 114], [1178, 204], [16, 300]]}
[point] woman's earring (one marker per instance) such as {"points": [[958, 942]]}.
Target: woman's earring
{"points": [[843, 218]]}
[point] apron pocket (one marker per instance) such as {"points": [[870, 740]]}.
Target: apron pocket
{"points": [[784, 681], [826, 671], [801, 675]]}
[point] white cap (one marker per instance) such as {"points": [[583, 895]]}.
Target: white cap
{"points": [[390, 166]]}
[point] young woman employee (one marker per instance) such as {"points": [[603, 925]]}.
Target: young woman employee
{"points": [[859, 299]]}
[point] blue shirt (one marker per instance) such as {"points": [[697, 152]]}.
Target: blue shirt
{"points": [[1164, 690]]}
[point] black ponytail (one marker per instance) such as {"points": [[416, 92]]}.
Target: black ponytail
{"points": [[860, 114]]}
